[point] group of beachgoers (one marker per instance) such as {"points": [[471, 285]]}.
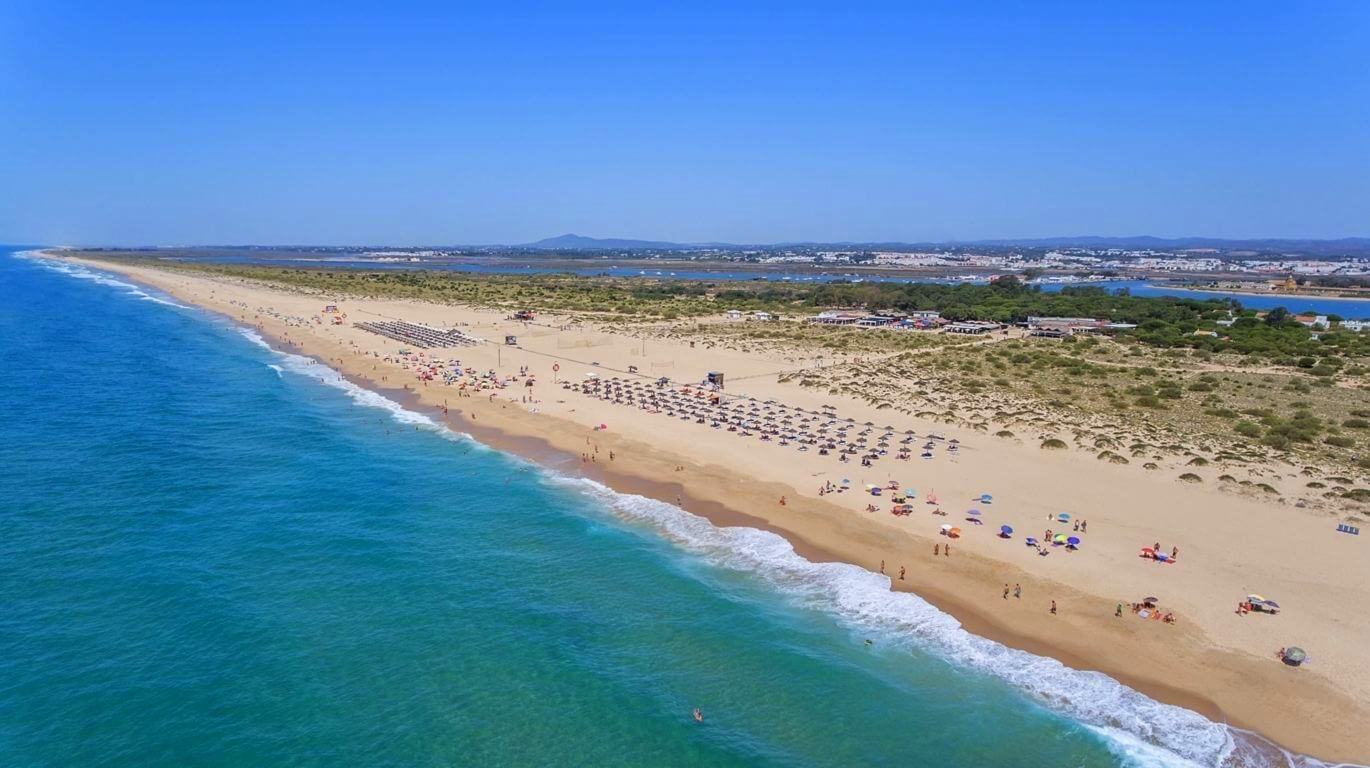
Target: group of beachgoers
{"points": [[821, 431], [1146, 609]]}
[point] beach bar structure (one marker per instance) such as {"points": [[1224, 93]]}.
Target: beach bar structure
{"points": [[1062, 327], [973, 327], [836, 317]]}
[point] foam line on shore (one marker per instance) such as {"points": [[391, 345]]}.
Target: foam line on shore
{"points": [[313, 369], [1139, 729], [82, 272]]}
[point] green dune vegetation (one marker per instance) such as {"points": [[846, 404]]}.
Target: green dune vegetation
{"points": [[1231, 400]]}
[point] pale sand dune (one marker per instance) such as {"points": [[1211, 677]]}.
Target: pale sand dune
{"points": [[1230, 545]]}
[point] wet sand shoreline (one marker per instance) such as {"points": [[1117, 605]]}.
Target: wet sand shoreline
{"points": [[811, 528]]}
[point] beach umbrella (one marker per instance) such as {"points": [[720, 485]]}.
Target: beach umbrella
{"points": [[973, 512], [946, 527], [1271, 604], [1255, 599], [954, 532], [1152, 599], [1073, 541], [1063, 517], [1006, 529], [1295, 655], [1059, 538], [986, 498], [845, 481], [1031, 541]]}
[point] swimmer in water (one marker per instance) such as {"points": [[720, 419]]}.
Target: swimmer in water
{"points": [[699, 716]]}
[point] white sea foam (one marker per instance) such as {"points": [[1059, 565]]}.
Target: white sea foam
{"points": [[304, 366], [1138, 729], [82, 272]]}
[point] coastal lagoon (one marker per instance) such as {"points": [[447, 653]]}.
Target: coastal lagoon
{"points": [[218, 553], [1349, 308]]}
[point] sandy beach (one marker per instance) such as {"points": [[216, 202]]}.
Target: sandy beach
{"points": [[1211, 659]]}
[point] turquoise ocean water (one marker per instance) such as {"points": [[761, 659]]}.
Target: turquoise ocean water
{"points": [[212, 553]]}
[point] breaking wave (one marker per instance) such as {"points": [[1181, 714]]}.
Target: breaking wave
{"points": [[304, 366], [1137, 728], [1140, 730], [82, 272]]}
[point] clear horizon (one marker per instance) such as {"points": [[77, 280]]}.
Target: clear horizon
{"points": [[1026, 242], [315, 125]]}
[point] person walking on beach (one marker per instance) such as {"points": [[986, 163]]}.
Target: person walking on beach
{"points": [[901, 573], [936, 550], [882, 567], [1053, 607], [1005, 591], [946, 551], [1084, 526], [1118, 612], [1018, 591]]}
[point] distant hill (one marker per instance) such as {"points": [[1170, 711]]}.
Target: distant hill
{"points": [[573, 242]]}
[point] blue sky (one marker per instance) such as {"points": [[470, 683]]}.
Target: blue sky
{"points": [[444, 123]]}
